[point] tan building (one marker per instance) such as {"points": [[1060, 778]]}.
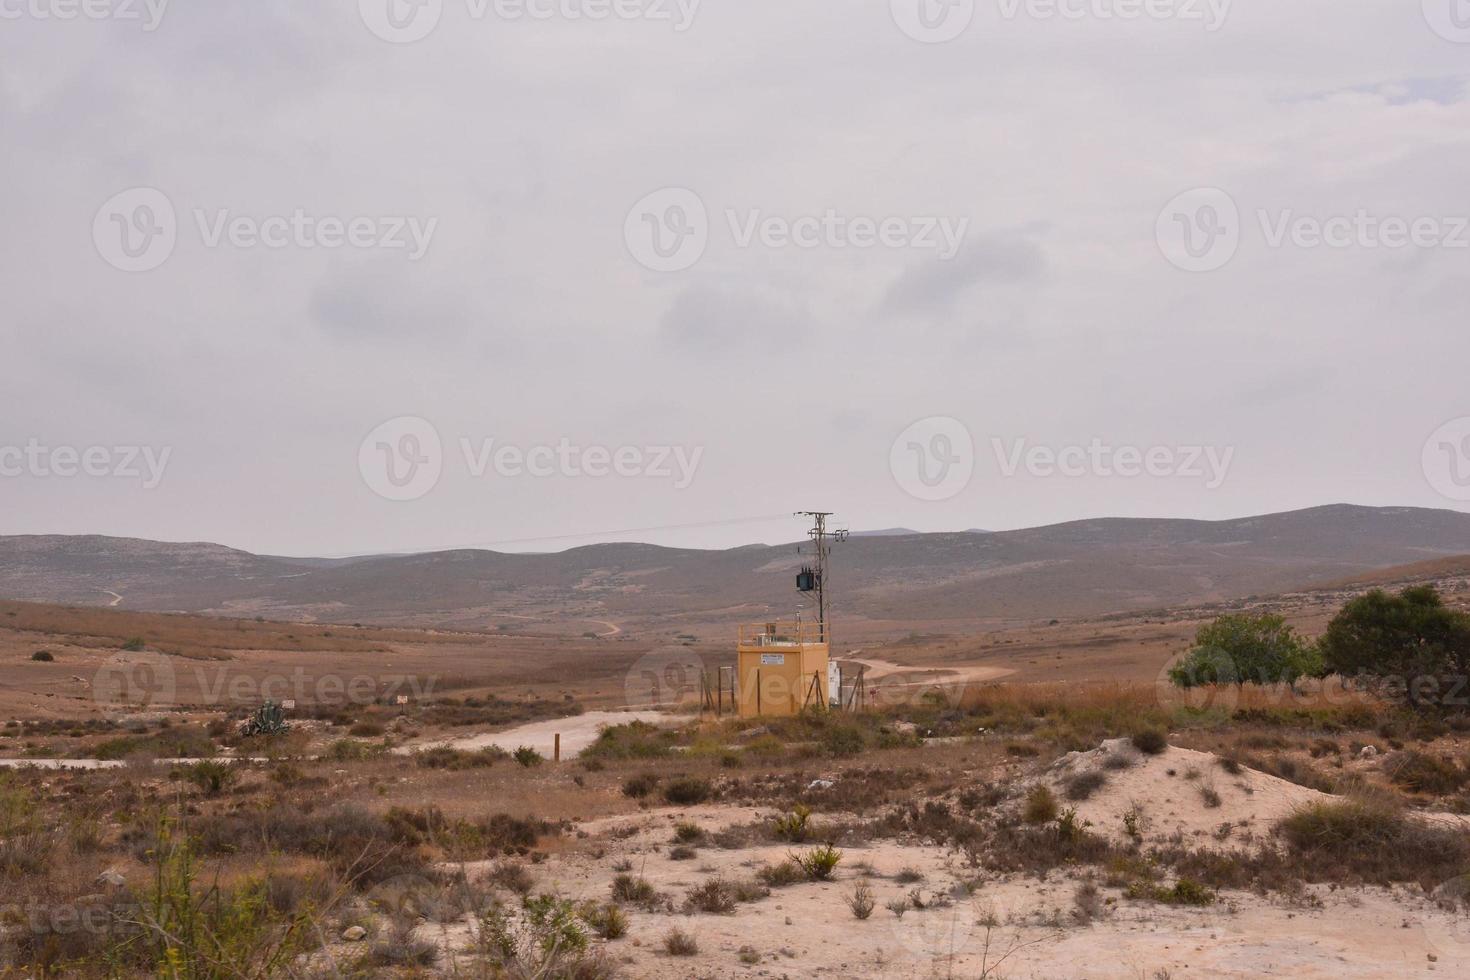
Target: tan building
{"points": [[781, 669]]}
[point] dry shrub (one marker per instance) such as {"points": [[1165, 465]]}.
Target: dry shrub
{"points": [[677, 942], [1041, 805], [1418, 772], [1083, 785], [715, 897], [1370, 841]]}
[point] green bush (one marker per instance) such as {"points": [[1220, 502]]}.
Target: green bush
{"points": [[819, 862], [1411, 647], [1243, 648], [43, 656], [527, 757]]}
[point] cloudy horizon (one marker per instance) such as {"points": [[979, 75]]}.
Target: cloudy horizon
{"points": [[376, 276]]}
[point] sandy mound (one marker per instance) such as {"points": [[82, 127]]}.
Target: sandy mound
{"points": [[1180, 795]]}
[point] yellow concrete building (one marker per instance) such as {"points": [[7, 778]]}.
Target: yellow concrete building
{"points": [[781, 669]]}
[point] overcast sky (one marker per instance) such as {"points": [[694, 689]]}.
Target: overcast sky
{"points": [[587, 235]]}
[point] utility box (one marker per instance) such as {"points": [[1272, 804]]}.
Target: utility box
{"points": [[782, 669]]}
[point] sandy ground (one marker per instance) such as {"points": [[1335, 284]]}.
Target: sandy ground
{"points": [[577, 732], [807, 930], [1169, 791]]}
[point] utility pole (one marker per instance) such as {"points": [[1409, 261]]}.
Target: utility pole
{"points": [[820, 537]]}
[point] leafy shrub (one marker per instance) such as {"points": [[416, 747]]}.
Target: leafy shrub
{"points": [[1244, 648], [635, 740], [134, 645], [212, 777], [606, 919], [527, 757], [682, 852], [1411, 646], [819, 862], [793, 826], [43, 656]]}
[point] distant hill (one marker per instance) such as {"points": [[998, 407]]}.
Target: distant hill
{"points": [[1074, 569]]}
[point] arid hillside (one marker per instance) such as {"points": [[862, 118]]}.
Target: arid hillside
{"points": [[890, 583]]}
